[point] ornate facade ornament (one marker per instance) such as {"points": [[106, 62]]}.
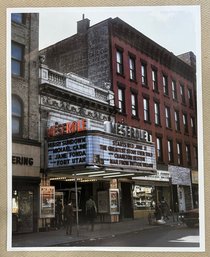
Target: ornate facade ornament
{"points": [[73, 109]]}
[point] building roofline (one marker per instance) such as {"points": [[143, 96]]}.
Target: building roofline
{"points": [[158, 47]]}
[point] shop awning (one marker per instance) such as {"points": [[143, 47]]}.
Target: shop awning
{"points": [[99, 172]]}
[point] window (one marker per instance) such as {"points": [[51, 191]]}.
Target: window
{"points": [[159, 149], [134, 105], [165, 84], [182, 93], [177, 122], [18, 18], [193, 127], [132, 68], [17, 59], [17, 109], [170, 150], [168, 117], [154, 80], [146, 109], [157, 113], [190, 97], [174, 92], [179, 153], [121, 100], [119, 57], [149, 136], [195, 155], [185, 123], [144, 74], [188, 156]]}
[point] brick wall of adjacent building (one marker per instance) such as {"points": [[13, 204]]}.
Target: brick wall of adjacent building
{"points": [[86, 53], [153, 96], [69, 55], [99, 59], [26, 86]]}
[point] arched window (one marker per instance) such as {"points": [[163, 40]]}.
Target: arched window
{"points": [[17, 112]]}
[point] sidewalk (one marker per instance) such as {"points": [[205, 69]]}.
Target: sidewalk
{"points": [[56, 237]]}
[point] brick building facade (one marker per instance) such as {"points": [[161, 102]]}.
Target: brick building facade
{"points": [[154, 90], [25, 122]]}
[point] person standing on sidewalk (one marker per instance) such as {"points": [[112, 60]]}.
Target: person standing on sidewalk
{"points": [[91, 211], [164, 208], [69, 217], [58, 214]]}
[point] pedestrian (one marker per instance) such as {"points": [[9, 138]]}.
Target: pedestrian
{"points": [[164, 208], [158, 212], [91, 211], [69, 217], [58, 213]]}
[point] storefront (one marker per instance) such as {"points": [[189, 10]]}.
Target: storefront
{"points": [[148, 191], [182, 188], [195, 188], [25, 191], [102, 163]]}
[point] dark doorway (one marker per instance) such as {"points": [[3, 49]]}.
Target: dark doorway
{"points": [[126, 201]]}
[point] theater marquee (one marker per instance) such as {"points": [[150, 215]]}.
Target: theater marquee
{"points": [[127, 150]]}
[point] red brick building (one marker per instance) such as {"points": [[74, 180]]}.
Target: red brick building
{"points": [[154, 90]]}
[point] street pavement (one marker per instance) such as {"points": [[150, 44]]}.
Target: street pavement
{"points": [[83, 232]]}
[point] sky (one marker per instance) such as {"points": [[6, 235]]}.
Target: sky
{"points": [[176, 28]]}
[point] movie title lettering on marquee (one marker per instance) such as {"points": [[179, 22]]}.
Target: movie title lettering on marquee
{"points": [[123, 153], [67, 152], [67, 128]]}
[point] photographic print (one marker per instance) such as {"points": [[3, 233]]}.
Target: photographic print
{"points": [[106, 110]]}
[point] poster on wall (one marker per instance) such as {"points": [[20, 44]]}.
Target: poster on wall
{"points": [[114, 201], [47, 202]]}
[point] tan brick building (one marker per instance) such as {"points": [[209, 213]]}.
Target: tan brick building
{"points": [[25, 122]]}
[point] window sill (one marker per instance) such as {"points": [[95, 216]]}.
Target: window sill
{"points": [[166, 95], [121, 75], [156, 91], [18, 77], [147, 122], [184, 104], [135, 117], [133, 81], [175, 100], [145, 86], [123, 114], [158, 125]]}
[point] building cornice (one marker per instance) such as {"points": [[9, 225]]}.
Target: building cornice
{"points": [[147, 46]]}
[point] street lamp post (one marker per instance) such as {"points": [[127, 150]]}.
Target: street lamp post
{"points": [[172, 197], [77, 215]]}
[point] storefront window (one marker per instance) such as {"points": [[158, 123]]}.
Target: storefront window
{"points": [[22, 211], [143, 197]]}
